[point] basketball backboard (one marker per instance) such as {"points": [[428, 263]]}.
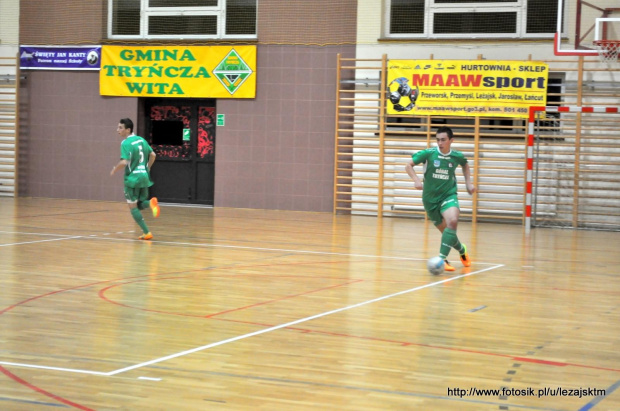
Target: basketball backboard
{"points": [[581, 24]]}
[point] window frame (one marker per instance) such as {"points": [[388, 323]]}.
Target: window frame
{"points": [[431, 8], [146, 12]]}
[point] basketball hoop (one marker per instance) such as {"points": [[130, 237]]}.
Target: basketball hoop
{"points": [[607, 50]]}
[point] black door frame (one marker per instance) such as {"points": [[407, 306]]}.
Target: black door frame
{"points": [[145, 105]]}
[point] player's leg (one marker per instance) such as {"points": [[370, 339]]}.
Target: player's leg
{"points": [[441, 226], [143, 195], [433, 211], [142, 204], [448, 236], [133, 197], [444, 248], [451, 212], [152, 204]]}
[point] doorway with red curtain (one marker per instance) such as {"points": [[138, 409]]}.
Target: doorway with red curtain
{"points": [[182, 134]]}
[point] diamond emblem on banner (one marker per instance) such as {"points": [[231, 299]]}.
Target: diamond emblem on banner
{"points": [[232, 71]]}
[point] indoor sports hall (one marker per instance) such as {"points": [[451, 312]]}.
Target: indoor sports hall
{"points": [[287, 268]]}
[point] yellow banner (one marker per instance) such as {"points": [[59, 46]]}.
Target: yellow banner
{"points": [[178, 71], [466, 87]]}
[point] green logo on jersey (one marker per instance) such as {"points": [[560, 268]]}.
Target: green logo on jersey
{"points": [[232, 71]]}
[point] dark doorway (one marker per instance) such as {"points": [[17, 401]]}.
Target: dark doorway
{"points": [[182, 134]]}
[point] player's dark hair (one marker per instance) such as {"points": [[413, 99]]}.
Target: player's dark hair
{"points": [[446, 130], [127, 123]]}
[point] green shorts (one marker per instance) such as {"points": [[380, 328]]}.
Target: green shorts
{"points": [[434, 210], [135, 194]]}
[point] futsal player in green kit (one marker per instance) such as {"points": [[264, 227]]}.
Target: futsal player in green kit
{"points": [[137, 157], [439, 191]]}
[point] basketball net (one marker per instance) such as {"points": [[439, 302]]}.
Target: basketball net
{"points": [[608, 50]]}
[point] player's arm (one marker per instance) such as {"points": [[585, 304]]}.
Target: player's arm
{"points": [[471, 189], [152, 157], [417, 183], [121, 164]]}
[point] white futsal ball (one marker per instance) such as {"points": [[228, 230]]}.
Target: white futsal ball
{"points": [[435, 265]]}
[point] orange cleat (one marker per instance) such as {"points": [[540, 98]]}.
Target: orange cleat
{"points": [[447, 266], [154, 207], [147, 236], [465, 257]]}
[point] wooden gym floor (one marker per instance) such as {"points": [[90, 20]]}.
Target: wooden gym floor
{"points": [[236, 309]]}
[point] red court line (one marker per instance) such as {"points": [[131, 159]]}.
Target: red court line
{"points": [[406, 343], [403, 343], [104, 290], [545, 362], [21, 381], [36, 297], [13, 306], [26, 383], [284, 298], [42, 391]]}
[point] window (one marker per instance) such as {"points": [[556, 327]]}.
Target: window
{"points": [[182, 19], [471, 18]]}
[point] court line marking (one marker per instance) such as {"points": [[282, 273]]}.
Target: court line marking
{"points": [[68, 237], [179, 205], [41, 241], [363, 389], [32, 402], [41, 234], [241, 247], [45, 367], [600, 398], [252, 334], [149, 378], [279, 250], [302, 320]]}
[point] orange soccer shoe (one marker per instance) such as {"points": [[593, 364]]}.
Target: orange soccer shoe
{"points": [[447, 266], [154, 207], [147, 236], [465, 257]]}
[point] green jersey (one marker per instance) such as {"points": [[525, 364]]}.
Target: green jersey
{"points": [[136, 151], [440, 173]]}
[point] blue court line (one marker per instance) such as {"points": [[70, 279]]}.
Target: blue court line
{"points": [[600, 398], [48, 404], [364, 389]]}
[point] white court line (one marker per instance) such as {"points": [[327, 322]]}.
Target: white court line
{"points": [[284, 250], [277, 327], [252, 334], [241, 337], [40, 241], [185, 205], [43, 367], [42, 234], [240, 247]]}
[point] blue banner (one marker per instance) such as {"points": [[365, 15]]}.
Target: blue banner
{"points": [[60, 57]]}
